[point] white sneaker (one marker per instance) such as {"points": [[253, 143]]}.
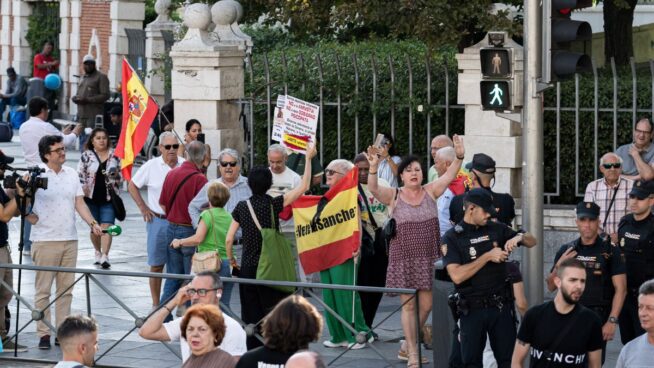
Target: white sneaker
{"points": [[329, 344], [27, 253], [356, 346], [104, 261], [98, 258]]}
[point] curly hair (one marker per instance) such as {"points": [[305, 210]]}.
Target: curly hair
{"points": [[291, 325], [211, 315]]}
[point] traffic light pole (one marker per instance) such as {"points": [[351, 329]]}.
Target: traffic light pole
{"points": [[532, 150]]}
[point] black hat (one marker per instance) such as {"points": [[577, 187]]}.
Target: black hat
{"points": [[482, 198], [587, 210], [4, 159], [642, 189], [482, 163]]}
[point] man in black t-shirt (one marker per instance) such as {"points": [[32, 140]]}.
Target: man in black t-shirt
{"points": [[561, 333]]}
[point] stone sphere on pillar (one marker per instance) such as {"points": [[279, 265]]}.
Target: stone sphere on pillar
{"points": [[197, 16], [239, 9], [162, 7], [224, 13]]}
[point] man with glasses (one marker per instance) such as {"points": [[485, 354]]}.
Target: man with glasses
{"points": [[636, 240], [54, 236], [611, 194], [206, 288], [439, 141], [151, 177], [638, 157], [229, 166]]}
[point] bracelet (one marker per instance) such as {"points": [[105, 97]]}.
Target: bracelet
{"points": [[168, 309], [93, 223], [460, 158], [372, 173]]}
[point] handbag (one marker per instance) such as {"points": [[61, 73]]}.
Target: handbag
{"points": [[207, 260], [389, 227], [116, 201], [276, 262]]}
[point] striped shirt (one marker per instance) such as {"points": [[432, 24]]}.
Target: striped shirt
{"points": [[600, 192]]}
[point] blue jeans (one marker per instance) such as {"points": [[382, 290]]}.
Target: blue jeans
{"points": [[226, 272], [179, 260]]}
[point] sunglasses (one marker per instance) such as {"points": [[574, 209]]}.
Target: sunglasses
{"points": [[200, 292], [616, 165], [169, 146], [331, 172], [230, 164]]}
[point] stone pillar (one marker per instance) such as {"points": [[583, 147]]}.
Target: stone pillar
{"points": [[22, 53], [124, 14], [485, 132], [155, 48], [208, 76], [5, 39], [69, 44]]}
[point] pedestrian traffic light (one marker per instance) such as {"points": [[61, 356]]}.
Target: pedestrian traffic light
{"points": [[497, 75], [559, 31]]}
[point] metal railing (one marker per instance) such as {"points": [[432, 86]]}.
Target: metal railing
{"points": [[89, 277]]}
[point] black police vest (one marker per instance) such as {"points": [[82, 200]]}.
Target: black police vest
{"points": [[492, 279], [597, 260], [636, 240]]}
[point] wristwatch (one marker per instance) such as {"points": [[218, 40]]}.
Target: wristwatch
{"points": [[613, 320]]}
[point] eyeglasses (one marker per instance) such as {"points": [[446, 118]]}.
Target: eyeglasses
{"points": [[58, 150], [638, 131], [173, 146], [230, 164], [615, 165], [331, 172], [200, 292]]}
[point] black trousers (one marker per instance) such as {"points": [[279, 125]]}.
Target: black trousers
{"points": [[498, 324], [256, 302], [603, 313], [629, 322], [372, 272]]}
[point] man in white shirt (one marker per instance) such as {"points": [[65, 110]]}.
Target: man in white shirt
{"points": [[54, 236], [442, 161], [206, 288], [151, 176], [78, 337], [30, 134]]}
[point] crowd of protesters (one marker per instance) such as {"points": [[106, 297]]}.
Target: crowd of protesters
{"points": [[450, 214]]}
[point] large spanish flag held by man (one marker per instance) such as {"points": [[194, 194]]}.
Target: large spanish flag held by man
{"points": [[327, 227], [139, 111]]}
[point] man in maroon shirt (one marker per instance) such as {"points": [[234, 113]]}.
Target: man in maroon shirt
{"points": [[181, 185], [44, 63]]}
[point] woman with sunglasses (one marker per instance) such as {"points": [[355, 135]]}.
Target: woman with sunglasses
{"points": [[193, 131], [99, 171], [256, 301]]}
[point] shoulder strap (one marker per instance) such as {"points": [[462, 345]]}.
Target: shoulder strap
{"points": [[172, 199], [608, 210], [254, 216], [393, 203], [365, 201], [565, 330]]}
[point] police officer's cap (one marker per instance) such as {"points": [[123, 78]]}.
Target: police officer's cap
{"points": [[482, 163], [587, 210], [482, 198], [642, 189]]}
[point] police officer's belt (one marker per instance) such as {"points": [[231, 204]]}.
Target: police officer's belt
{"points": [[495, 300]]}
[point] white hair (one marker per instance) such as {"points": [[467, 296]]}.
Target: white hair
{"points": [[341, 164], [278, 148], [230, 152], [606, 155]]}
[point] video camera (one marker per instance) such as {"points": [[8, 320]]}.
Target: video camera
{"points": [[34, 182]]}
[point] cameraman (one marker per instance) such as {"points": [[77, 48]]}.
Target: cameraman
{"points": [[54, 237], [8, 209]]}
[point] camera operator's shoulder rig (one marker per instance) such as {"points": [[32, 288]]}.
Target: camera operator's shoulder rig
{"points": [[31, 185]]}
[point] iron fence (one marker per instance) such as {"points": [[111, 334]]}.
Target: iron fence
{"points": [[88, 276]]}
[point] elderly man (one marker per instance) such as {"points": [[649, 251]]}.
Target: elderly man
{"points": [[206, 288], [442, 161], [151, 176], [611, 194], [78, 336], [229, 166], [54, 236], [437, 143], [14, 93], [638, 157], [181, 185], [639, 352]]}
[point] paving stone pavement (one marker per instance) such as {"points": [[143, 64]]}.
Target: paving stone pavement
{"points": [[128, 253]]}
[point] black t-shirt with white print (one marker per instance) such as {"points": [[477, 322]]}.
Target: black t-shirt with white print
{"points": [[542, 326]]}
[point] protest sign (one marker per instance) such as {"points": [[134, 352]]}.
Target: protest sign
{"points": [[300, 123]]}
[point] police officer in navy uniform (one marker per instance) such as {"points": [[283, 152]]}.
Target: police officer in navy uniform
{"points": [[475, 252], [606, 282], [636, 240], [482, 173]]}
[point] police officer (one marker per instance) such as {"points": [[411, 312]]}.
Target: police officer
{"points": [[636, 240], [475, 251], [606, 282], [482, 172]]}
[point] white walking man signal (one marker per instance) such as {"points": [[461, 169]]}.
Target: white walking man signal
{"points": [[496, 93]]}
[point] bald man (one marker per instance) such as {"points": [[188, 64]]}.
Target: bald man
{"points": [[305, 359], [611, 194], [437, 143]]}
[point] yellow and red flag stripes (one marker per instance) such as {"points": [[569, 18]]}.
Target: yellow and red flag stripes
{"points": [[331, 239], [139, 110]]}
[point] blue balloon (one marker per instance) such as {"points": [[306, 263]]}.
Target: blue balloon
{"points": [[52, 81]]}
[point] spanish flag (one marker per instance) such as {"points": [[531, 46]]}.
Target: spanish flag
{"points": [[327, 228], [139, 110]]}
